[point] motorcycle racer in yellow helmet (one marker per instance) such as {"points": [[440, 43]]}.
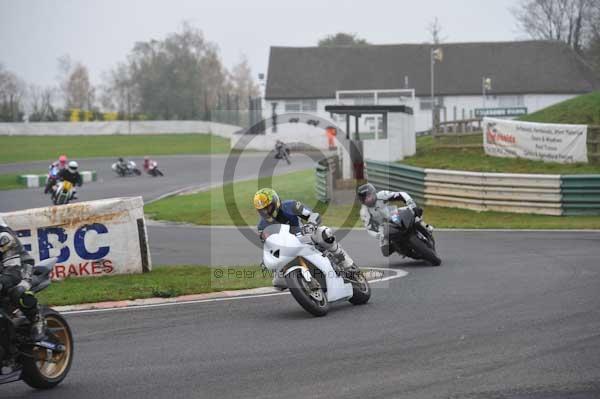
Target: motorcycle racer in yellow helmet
{"points": [[272, 210]]}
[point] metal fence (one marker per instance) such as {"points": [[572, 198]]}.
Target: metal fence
{"points": [[504, 192], [580, 194], [397, 177]]}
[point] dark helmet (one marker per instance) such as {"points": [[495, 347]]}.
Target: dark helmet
{"points": [[367, 195], [267, 203], [120, 159]]}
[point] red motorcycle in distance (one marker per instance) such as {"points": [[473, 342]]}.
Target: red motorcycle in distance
{"points": [[151, 167]]}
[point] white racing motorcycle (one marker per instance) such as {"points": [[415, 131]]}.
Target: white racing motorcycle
{"points": [[312, 278]]}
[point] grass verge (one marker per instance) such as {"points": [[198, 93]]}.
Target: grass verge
{"points": [[163, 281], [210, 208], [474, 159], [9, 181], [34, 148]]}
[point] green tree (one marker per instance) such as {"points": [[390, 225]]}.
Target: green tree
{"points": [[342, 39], [12, 95], [179, 77]]}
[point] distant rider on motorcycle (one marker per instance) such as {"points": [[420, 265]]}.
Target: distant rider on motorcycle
{"points": [[53, 170], [71, 174], [374, 216], [16, 270], [122, 165], [274, 211]]}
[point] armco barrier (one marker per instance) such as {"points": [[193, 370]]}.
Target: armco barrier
{"points": [[580, 194], [325, 175], [33, 181], [504, 192], [321, 183], [397, 177], [93, 238]]}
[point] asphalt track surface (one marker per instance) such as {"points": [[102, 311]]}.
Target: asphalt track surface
{"points": [[198, 171], [508, 315]]}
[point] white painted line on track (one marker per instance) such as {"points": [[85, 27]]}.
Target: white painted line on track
{"points": [[160, 223], [399, 273]]}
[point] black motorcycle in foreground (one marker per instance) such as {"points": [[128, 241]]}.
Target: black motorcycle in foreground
{"points": [[409, 237], [42, 364]]}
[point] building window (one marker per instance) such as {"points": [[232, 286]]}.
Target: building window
{"points": [[293, 106], [309, 105], [510, 101], [301, 106], [425, 104]]}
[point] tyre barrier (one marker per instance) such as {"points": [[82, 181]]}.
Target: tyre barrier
{"points": [[33, 181], [502, 192]]}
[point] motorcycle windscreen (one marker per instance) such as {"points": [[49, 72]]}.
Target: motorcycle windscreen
{"points": [[271, 229], [406, 217]]}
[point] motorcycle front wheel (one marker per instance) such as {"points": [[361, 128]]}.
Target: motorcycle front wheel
{"points": [[313, 301], [43, 368], [361, 290], [424, 250]]}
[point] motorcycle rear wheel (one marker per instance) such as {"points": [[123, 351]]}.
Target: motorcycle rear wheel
{"points": [[44, 369], [315, 304]]}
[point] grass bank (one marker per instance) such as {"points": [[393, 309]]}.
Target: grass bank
{"points": [[429, 155], [35, 148], [163, 281], [583, 110], [210, 208]]}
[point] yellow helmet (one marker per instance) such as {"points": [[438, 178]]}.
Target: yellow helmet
{"points": [[267, 203]]}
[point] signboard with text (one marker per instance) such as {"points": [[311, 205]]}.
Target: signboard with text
{"points": [[500, 112], [539, 141], [94, 238]]}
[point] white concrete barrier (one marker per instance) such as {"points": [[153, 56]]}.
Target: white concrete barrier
{"points": [[95, 238], [34, 181], [116, 127]]}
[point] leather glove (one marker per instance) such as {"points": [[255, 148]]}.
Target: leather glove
{"points": [[418, 211], [309, 228]]}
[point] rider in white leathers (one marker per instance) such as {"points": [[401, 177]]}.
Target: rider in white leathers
{"points": [[374, 212]]}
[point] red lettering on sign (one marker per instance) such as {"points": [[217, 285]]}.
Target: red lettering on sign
{"points": [[83, 269], [59, 271], [493, 137], [72, 270], [108, 266], [104, 266], [96, 267]]}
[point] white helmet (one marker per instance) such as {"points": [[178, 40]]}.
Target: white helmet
{"points": [[73, 165]]}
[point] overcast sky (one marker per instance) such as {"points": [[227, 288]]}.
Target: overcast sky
{"points": [[100, 33]]}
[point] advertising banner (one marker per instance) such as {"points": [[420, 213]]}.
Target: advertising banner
{"points": [[94, 238], [539, 141]]}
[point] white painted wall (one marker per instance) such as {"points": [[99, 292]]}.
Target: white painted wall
{"points": [[116, 127], [533, 102]]}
